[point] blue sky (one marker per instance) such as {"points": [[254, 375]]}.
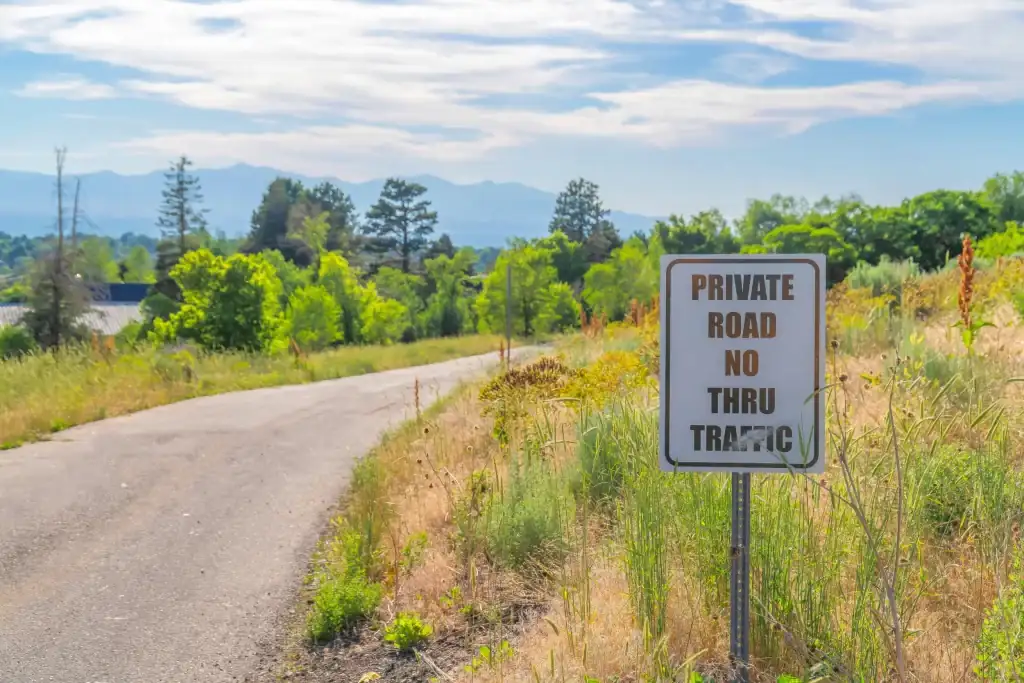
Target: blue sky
{"points": [[670, 105]]}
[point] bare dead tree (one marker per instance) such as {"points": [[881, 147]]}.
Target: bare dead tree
{"points": [[74, 226], [58, 299]]}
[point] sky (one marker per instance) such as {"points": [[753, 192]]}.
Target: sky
{"points": [[671, 106]]}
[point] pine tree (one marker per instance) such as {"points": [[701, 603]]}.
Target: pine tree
{"points": [[580, 214], [400, 223], [180, 215], [181, 221]]}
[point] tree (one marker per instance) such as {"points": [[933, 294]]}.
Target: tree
{"points": [[57, 300], [408, 289], [442, 246], [180, 215], [229, 303], [313, 232], [95, 262], [342, 217], [292, 277], [938, 220], [342, 281], [448, 312], [806, 239], [578, 211], [1006, 193], [313, 318], [269, 224], [384, 320], [705, 233], [400, 222], [1009, 242], [137, 266], [181, 222], [532, 275], [567, 256], [609, 288], [559, 310], [761, 217]]}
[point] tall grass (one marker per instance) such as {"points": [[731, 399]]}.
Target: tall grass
{"points": [[42, 393]]}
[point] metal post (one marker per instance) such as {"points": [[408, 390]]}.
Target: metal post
{"points": [[508, 311], [739, 579]]}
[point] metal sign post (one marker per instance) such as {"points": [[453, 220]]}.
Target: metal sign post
{"points": [[742, 365], [739, 579]]}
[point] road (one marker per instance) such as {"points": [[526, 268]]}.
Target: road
{"points": [[168, 545]]}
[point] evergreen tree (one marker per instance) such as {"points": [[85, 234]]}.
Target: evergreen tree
{"points": [[182, 222], [342, 217], [400, 223], [442, 246], [580, 214]]}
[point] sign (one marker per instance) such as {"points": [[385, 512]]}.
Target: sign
{"points": [[743, 363]]}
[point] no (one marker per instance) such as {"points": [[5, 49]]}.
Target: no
{"points": [[741, 362]]}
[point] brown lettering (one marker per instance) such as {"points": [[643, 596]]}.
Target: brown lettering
{"points": [[698, 283]]}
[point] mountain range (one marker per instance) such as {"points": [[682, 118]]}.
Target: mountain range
{"points": [[481, 214]]}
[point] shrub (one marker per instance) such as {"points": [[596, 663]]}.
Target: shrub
{"points": [[407, 631], [1005, 243], [384, 320], [313, 318], [231, 303], [130, 335], [559, 310], [526, 526], [15, 342], [885, 278], [340, 603]]}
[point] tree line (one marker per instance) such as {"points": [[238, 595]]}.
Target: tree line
{"points": [[313, 272]]}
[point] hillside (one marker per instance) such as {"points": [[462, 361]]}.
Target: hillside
{"points": [[482, 214]]}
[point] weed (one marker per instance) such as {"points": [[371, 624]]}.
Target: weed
{"points": [[340, 603], [491, 659], [526, 525], [1000, 655], [407, 631]]}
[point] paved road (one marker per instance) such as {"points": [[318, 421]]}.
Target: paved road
{"points": [[167, 545]]}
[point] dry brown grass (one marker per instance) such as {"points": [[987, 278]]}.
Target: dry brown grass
{"points": [[47, 393]]}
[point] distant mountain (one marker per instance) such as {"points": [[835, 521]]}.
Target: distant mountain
{"points": [[481, 214]]}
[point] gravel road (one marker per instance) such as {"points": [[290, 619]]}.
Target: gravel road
{"points": [[168, 545]]}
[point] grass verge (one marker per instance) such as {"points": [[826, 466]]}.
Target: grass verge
{"points": [[46, 393], [525, 533]]}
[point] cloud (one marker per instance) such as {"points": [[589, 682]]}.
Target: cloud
{"points": [[417, 78], [69, 88]]}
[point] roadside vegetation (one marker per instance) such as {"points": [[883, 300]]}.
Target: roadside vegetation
{"points": [[523, 532], [45, 393]]}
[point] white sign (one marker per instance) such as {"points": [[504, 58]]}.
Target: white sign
{"points": [[743, 363]]}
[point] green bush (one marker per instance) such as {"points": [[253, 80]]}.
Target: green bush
{"points": [[130, 335], [407, 631], [527, 524], [313, 318], [885, 278], [1008, 242], [15, 341], [340, 603], [229, 304]]}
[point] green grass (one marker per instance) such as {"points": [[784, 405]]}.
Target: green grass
{"points": [[44, 393]]}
